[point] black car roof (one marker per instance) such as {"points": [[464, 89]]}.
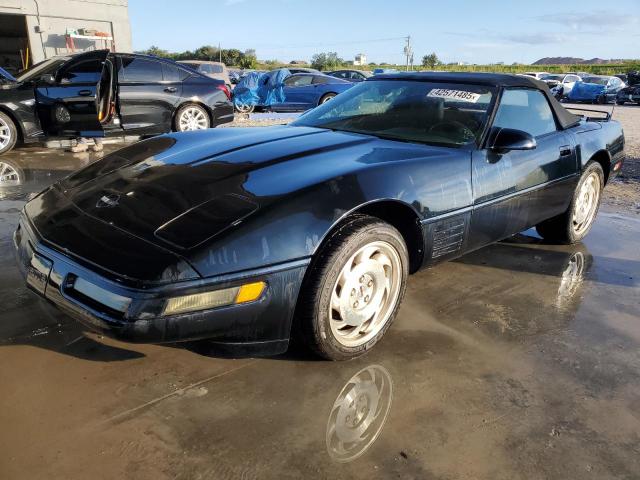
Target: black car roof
{"points": [[565, 118], [478, 78]]}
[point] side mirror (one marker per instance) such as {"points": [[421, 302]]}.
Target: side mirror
{"points": [[48, 79], [502, 140]]}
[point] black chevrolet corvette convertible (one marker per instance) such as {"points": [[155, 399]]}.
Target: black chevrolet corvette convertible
{"points": [[246, 237]]}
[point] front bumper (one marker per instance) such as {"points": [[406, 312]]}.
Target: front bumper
{"points": [[133, 314]]}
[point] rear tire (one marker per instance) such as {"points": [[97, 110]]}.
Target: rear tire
{"points": [[573, 225], [353, 289], [326, 97], [8, 133], [191, 117]]}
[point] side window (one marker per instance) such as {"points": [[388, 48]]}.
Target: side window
{"points": [[526, 110], [87, 71], [341, 74], [319, 79], [140, 70], [173, 74], [298, 80], [216, 68]]}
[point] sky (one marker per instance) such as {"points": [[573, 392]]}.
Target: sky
{"points": [[487, 31]]}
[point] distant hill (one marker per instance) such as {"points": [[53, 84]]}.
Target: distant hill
{"points": [[576, 61]]}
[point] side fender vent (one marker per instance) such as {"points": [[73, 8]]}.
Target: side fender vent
{"points": [[448, 236]]}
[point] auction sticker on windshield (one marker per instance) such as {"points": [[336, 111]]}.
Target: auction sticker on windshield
{"points": [[454, 95]]}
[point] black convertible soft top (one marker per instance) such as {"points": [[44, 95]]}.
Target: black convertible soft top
{"points": [[565, 118]]}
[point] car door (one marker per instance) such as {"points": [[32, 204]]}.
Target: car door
{"points": [[517, 189], [297, 91], [146, 100], [69, 101]]}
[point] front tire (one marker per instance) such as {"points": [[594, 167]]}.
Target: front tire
{"points": [[191, 117], [573, 225], [354, 289], [8, 133]]}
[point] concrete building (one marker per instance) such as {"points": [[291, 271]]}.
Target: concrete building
{"points": [[33, 30], [360, 59]]}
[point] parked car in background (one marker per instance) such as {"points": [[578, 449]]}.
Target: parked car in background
{"points": [[100, 93], [231, 232], [217, 70], [303, 91], [536, 75], [351, 75], [623, 76], [596, 89], [629, 94], [560, 84], [293, 70], [378, 71]]}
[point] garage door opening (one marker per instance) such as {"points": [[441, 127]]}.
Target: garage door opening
{"points": [[14, 43]]}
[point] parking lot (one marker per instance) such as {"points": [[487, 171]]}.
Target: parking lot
{"points": [[518, 361]]}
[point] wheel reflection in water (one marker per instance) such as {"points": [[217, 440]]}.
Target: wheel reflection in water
{"points": [[571, 279], [359, 413]]}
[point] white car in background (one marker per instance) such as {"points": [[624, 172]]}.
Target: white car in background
{"points": [[561, 84], [536, 75]]}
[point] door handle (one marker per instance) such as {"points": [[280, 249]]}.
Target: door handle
{"points": [[565, 151], [85, 93], [171, 89]]}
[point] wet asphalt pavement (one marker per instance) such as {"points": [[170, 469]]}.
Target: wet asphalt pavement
{"points": [[519, 361]]}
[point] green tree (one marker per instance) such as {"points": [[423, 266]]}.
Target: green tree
{"points": [[156, 52], [206, 52], [326, 61], [430, 61], [248, 59]]}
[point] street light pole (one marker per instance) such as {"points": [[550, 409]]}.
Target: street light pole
{"points": [[408, 52]]}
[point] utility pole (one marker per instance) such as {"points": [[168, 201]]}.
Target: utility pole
{"points": [[408, 52]]}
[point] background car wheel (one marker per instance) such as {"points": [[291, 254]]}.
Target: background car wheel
{"points": [[244, 108], [618, 102], [326, 97], [353, 289], [573, 225], [8, 133], [191, 117]]}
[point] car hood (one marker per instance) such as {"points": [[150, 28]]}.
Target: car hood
{"points": [[181, 190]]}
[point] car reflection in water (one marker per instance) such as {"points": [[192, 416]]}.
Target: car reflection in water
{"points": [[359, 413]]}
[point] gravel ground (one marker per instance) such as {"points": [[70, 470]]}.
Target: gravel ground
{"points": [[623, 194]]}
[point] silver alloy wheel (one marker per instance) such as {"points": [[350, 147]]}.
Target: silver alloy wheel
{"points": [[365, 293], [193, 118], [586, 204], [9, 176], [5, 134], [243, 107]]}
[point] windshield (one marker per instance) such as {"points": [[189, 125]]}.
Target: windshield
{"points": [[598, 80], [47, 67], [412, 111], [553, 77]]}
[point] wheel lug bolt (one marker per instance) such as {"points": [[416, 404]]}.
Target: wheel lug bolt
{"points": [[370, 283], [355, 304], [366, 299], [362, 279], [353, 292]]}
